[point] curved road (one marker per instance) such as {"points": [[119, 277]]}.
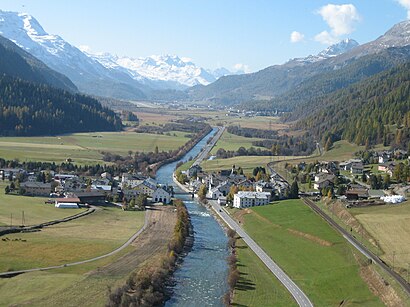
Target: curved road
{"points": [[130, 240], [296, 292]]}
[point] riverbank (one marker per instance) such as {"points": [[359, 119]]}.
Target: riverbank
{"points": [[148, 286], [202, 275], [184, 150]]}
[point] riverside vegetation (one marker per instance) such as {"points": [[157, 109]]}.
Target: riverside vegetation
{"points": [[148, 287]]}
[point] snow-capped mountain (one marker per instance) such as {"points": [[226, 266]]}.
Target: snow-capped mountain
{"points": [[102, 73], [160, 70], [330, 52], [397, 36], [86, 73]]}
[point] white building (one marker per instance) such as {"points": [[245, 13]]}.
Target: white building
{"points": [[214, 193], [66, 206], [244, 199], [162, 196]]}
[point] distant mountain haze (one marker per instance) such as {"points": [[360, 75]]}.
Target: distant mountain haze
{"points": [[169, 77], [274, 81], [104, 74]]}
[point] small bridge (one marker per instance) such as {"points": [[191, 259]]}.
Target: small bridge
{"points": [[184, 194]]}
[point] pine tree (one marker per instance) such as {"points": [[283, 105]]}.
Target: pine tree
{"points": [[202, 192], [294, 190]]}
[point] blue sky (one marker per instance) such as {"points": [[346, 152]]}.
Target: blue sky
{"points": [[253, 34]]}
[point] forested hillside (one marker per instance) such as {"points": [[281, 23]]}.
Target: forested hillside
{"points": [[28, 108], [302, 98], [373, 111]]}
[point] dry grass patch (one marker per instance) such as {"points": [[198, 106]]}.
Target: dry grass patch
{"points": [[390, 226], [155, 118], [83, 238], [380, 287], [310, 237]]}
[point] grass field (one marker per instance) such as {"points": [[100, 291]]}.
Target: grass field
{"points": [[230, 141], [318, 259], [390, 226], [248, 163], [35, 211], [257, 122], [59, 287], [83, 238], [85, 148], [88, 284], [184, 167], [257, 286], [154, 119]]}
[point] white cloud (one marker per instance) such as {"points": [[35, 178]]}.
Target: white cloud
{"points": [[296, 37], [326, 38], [406, 5], [239, 67], [341, 19]]}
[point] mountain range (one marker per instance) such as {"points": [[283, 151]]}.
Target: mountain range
{"points": [[169, 77], [272, 82], [36, 100], [159, 72], [330, 52], [103, 74], [18, 63]]}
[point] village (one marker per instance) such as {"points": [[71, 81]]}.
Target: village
{"points": [[71, 190], [375, 178]]}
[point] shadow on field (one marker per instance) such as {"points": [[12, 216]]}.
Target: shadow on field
{"points": [[244, 284]]}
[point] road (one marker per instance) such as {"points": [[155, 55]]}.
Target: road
{"points": [[296, 292], [207, 149], [360, 247], [130, 240]]}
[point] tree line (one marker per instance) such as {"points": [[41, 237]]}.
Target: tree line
{"points": [[148, 287], [28, 108], [371, 112]]}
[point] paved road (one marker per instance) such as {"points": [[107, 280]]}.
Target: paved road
{"points": [[207, 149], [130, 240], [360, 247], [296, 292]]}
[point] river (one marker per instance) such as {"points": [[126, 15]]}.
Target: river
{"points": [[201, 280]]}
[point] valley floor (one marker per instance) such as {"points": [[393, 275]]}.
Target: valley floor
{"points": [[88, 284], [315, 256]]}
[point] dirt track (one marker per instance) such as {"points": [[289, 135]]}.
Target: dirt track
{"points": [[151, 242]]}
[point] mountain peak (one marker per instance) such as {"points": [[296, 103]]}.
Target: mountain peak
{"points": [[339, 48], [20, 22], [330, 52]]}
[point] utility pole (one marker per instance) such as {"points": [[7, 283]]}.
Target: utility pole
{"points": [[23, 219], [11, 219]]}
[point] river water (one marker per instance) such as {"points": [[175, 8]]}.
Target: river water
{"points": [[201, 278]]}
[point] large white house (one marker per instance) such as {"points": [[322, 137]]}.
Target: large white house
{"points": [[245, 199]]}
